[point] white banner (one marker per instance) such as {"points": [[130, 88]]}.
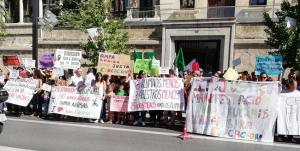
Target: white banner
{"points": [[233, 109], [288, 122], [68, 101], [156, 94], [20, 91], [67, 59]]}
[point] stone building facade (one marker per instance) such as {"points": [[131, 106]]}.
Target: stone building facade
{"points": [[215, 32]]}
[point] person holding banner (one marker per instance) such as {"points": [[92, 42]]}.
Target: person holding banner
{"points": [[140, 117], [37, 97], [101, 84], [77, 78]]}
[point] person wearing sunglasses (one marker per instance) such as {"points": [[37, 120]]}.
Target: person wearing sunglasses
{"points": [[264, 77]]}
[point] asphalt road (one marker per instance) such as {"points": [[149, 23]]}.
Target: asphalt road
{"points": [[26, 134]]}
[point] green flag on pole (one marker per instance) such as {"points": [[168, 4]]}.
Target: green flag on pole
{"points": [[179, 61], [137, 55]]}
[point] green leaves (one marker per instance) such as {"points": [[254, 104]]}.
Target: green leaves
{"points": [[286, 40], [92, 13]]}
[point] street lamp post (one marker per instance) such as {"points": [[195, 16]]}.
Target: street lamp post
{"points": [[35, 13]]}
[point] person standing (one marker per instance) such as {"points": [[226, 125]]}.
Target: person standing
{"points": [[90, 78], [101, 84], [140, 117], [76, 79], [37, 97]]}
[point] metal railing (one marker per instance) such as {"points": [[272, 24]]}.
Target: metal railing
{"points": [[221, 12], [240, 13]]}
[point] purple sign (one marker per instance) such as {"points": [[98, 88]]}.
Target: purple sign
{"points": [[46, 60]]}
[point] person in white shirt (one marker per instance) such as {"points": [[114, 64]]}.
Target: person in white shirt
{"points": [[76, 78], [89, 78]]}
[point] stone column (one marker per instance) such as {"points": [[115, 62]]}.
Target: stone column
{"points": [[41, 9], [2, 3], [21, 11]]}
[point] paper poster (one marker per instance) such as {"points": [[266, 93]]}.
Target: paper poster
{"points": [[156, 94], [119, 103], [142, 64], [58, 72], [20, 90], [13, 74], [46, 60], [86, 103], [164, 70], [231, 74], [288, 122], [233, 109], [114, 64], [67, 59], [272, 65], [28, 63], [46, 87], [11, 61]]}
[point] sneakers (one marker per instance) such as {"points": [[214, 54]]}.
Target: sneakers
{"points": [[117, 122], [143, 123], [122, 123], [135, 123], [96, 121], [101, 121]]}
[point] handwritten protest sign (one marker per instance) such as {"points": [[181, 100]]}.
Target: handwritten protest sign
{"points": [[13, 74], [114, 64], [20, 90], [142, 64], [11, 60], [156, 94], [288, 122], [272, 65], [231, 74], [58, 72], [46, 60], [164, 70], [233, 109], [119, 103], [46, 87], [28, 63], [68, 101], [67, 59]]}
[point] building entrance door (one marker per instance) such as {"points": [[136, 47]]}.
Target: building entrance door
{"points": [[206, 52]]}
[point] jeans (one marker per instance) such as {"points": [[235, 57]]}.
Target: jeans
{"points": [[38, 103], [141, 115]]}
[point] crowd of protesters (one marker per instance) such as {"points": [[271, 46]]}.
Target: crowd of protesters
{"points": [[117, 85]]}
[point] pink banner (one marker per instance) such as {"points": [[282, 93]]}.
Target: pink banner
{"points": [[119, 103]]}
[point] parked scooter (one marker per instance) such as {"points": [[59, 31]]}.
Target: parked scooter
{"points": [[3, 98]]}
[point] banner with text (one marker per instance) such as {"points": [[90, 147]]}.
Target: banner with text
{"points": [[233, 109], [114, 64], [69, 101], [156, 94], [118, 103], [67, 59], [288, 122], [20, 91]]}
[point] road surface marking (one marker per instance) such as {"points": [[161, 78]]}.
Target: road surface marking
{"points": [[4, 148], [155, 133]]}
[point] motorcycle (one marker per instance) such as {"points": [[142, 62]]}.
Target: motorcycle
{"points": [[3, 98]]}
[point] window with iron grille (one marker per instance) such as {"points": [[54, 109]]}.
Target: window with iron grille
{"points": [[187, 4]]}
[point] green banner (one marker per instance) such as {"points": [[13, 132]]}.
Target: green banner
{"points": [[142, 64], [155, 65]]}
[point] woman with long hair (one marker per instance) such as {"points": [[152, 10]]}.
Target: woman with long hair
{"points": [[101, 84], [37, 98]]}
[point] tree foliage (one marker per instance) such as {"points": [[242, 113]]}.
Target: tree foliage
{"points": [[91, 14], [286, 40]]}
